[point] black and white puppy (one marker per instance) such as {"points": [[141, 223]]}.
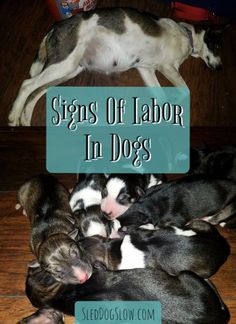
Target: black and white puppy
{"points": [[220, 163], [122, 190], [92, 222], [46, 203], [177, 295], [88, 191], [179, 202], [85, 202], [198, 247]]}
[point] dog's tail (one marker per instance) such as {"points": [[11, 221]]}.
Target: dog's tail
{"points": [[41, 58]]}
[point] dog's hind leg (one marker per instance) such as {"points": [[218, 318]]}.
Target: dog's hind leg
{"points": [[149, 77], [173, 75], [49, 75], [26, 116]]}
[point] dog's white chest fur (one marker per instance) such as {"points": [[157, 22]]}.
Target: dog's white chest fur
{"points": [[131, 257]]}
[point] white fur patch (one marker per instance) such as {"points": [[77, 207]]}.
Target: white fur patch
{"points": [[179, 231], [114, 186], [222, 224], [96, 228], [153, 181], [89, 196], [131, 258], [148, 226], [17, 206], [115, 228]]}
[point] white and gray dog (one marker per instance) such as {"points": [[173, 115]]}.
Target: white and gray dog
{"points": [[113, 40]]}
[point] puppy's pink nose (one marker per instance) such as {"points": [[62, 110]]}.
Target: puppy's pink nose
{"points": [[107, 212], [84, 277], [80, 274]]}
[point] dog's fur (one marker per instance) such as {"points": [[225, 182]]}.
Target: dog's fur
{"points": [[218, 163], [46, 203], [85, 202], [113, 40], [177, 295], [198, 247], [87, 192], [178, 202], [122, 190], [92, 222]]}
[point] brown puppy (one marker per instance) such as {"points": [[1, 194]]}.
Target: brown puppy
{"points": [[46, 203]]}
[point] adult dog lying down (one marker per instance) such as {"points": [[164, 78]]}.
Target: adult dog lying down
{"points": [[113, 40], [184, 299]]}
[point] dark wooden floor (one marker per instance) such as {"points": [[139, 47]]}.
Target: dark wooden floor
{"points": [[24, 23], [22, 151]]}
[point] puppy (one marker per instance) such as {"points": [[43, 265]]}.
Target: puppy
{"points": [[122, 190], [198, 247], [85, 202], [177, 295], [87, 192], [46, 203], [219, 163], [179, 202], [105, 41], [92, 222]]}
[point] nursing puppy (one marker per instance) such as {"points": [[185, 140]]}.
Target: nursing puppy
{"points": [[177, 295], [178, 202], [46, 203], [122, 190], [85, 202], [198, 247], [105, 41]]}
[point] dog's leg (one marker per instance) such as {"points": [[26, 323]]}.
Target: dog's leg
{"points": [[173, 75], [26, 116], [49, 75], [149, 77], [44, 316]]}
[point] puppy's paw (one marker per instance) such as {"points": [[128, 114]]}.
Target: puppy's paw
{"points": [[44, 316], [127, 229]]}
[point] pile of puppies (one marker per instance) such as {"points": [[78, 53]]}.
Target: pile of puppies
{"points": [[128, 237]]}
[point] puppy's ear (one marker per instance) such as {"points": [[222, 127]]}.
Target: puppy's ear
{"points": [[73, 234], [34, 264], [71, 219], [139, 191]]}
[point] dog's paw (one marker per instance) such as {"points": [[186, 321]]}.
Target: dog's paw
{"points": [[13, 119]]}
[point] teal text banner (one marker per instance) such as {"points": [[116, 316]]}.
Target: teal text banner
{"points": [[118, 312], [118, 130]]}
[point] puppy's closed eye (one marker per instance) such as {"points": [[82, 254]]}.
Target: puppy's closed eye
{"points": [[123, 198]]}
